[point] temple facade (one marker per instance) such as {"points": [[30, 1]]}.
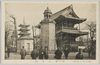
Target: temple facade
{"points": [[57, 30], [66, 34]]}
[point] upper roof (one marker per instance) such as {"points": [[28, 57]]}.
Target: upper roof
{"points": [[23, 29], [67, 12]]}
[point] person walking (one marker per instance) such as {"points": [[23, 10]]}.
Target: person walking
{"points": [[46, 53], [58, 54], [8, 51], [66, 52], [34, 54], [23, 53], [89, 52], [41, 53], [79, 55]]}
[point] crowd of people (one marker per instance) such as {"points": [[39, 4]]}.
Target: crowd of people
{"points": [[43, 53]]}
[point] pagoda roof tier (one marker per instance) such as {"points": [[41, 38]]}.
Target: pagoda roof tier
{"points": [[25, 38], [23, 33], [68, 13], [23, 29], [75, 32], [23, 25]]}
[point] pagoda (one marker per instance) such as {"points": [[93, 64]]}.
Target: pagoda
{"points": [[24, 38]]}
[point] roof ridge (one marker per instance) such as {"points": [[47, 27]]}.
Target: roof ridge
{"points": [[55, 15], [63, 9]]}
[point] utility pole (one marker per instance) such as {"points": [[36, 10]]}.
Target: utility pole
{"points": [[33, 38]]}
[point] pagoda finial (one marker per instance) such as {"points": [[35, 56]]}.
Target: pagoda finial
{"points": [[23, 20], [47, 7], [47, 4]]}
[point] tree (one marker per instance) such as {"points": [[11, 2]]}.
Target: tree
{"points": [[8, 28], [92, 28], [14, 21]]}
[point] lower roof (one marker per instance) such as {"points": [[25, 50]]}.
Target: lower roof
{"points": [[25, 38], [75, 32]]}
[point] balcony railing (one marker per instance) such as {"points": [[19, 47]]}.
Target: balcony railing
{"points": [[72, 28]]}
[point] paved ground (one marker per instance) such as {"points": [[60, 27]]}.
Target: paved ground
{"points": [[71, 56]]}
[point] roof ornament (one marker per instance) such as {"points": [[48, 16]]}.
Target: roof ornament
{"points": [[47, 4], [47, 7]]}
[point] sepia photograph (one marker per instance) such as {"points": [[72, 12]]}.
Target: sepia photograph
{"points": [[50, 32]]}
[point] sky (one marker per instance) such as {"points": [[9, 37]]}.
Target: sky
{"points": [[33, 12]]}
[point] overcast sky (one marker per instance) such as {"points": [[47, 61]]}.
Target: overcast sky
{"points": [[33, 12]]}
